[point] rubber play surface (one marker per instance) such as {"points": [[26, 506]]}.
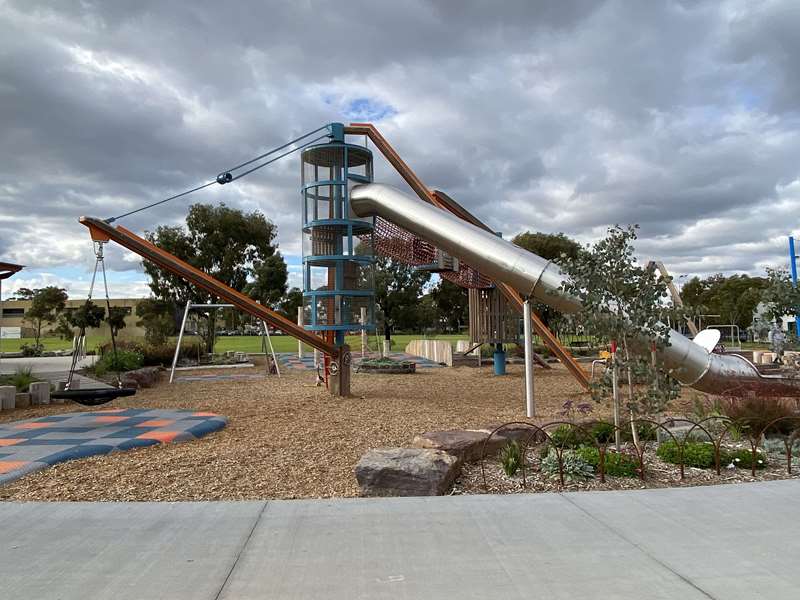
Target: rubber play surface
{"points": [[33, 444]]}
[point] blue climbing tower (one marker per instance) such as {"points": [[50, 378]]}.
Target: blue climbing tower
{"points": [[338, 258]]}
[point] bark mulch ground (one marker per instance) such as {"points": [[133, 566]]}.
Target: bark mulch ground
{"points": [[287, 438]]}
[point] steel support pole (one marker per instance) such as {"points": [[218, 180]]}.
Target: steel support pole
{"points": [[300, 324], [615, 396], [363, 332], [530, 404], [793, 266], [180, 339]]}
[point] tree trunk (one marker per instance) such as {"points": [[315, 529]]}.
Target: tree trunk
{"points": [[634, 431]]}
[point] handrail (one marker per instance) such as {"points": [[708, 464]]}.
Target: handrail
{"points": [[444, 202], [102, 231]]}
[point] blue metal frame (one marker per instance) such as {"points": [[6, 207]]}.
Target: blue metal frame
{"points": [[337, 177], [793, 267]]}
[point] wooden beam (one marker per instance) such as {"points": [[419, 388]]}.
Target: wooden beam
{"points": [[102, 231]]}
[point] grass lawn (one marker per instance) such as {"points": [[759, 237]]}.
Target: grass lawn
{"points": [[238, 343], [49, 343]]}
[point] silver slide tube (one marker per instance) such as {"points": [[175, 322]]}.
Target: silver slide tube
{"points": [[534, 277]]}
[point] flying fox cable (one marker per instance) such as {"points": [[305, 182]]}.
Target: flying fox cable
{"points": [[228, 175]]}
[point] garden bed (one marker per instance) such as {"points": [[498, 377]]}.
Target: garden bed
{"points": [[387, 366], [658, 474]]}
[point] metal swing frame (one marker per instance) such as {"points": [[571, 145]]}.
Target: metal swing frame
{"points": [[264, 341]]}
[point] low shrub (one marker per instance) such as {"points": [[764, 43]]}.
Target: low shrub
{"points": [[568, 436], [153, 354], [646, 431], [574, 466], [701, 455], [602, 432], [122, 360], [31, 350], [754, 414], [21, 379], [617, 464], [695, 454], [511, 458], [778, 446], [743, 458]]}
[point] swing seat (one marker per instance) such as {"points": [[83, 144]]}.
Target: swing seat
{"points": [[93, 397]]}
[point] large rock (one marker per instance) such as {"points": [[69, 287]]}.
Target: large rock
{"points": [[406, 472], [141, 378], [463, 444], [471, 444]]}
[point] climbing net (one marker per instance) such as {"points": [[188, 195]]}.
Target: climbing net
{"points": [[395, 242]]}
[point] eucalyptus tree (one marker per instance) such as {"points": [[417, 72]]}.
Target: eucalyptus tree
{"points": [[624, 304]]}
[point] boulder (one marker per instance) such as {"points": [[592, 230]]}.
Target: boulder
{"points": [[141, 378], [406, 472], [463, 444], [468, 444], [517, 431]]}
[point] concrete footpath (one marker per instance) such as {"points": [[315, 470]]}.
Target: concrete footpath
{"points": [[737, 541]]}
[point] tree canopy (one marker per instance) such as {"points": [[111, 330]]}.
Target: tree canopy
{"points": [[734, 298], [47, 303], [398, 289], [234, 247], [550, 246]]}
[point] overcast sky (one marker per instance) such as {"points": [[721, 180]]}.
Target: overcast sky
{"points": [[683, 117]]}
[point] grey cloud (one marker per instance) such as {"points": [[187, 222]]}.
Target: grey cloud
{"points": [[556, 116]]}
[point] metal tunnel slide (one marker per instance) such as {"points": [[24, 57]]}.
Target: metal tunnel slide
{"points": [[534, 277], [444, 202]]}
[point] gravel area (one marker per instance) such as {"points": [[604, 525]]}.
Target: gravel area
{"points": [[658, 474], [287, 438]]}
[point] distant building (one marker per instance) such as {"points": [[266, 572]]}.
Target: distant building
{"points": [[12, 316]]}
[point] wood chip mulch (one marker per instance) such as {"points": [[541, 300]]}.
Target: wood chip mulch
{"points": [[287, 438]]}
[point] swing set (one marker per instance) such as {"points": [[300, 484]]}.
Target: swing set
{"points": [[94, 396]]}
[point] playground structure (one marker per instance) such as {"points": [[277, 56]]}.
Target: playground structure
{"points": [[534, 277], [337, 268], [347, 218]]}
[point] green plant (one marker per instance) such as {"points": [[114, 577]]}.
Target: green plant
{"points": [[753, 415], [31, 349], [122, 360], [778, 446], [743, 458], [567, 436], [646, 431], [511, 458], [22, 378], [616, 464], [695, 454], [574, 466], [602, 432]]}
